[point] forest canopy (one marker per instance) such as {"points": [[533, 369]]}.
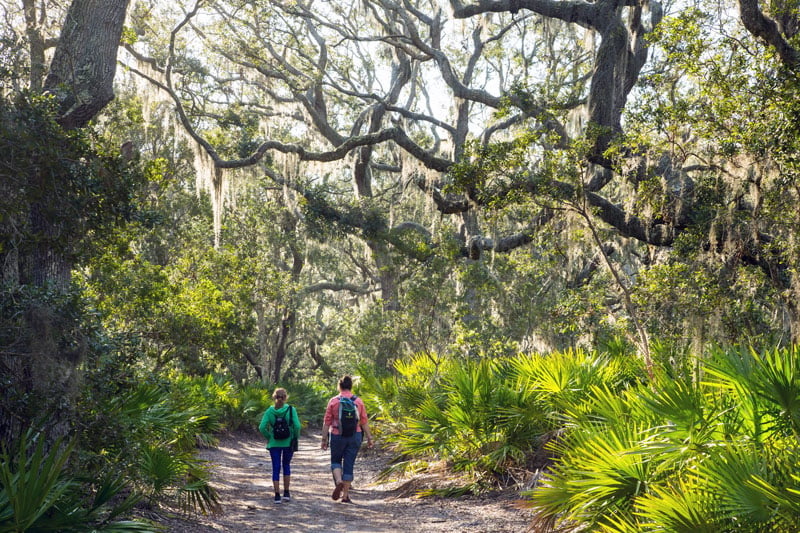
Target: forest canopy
{"points": [[387, 178], [635, 140]]}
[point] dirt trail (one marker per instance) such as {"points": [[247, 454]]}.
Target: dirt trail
{"points": [[242, 475]]}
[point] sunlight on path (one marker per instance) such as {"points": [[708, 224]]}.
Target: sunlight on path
{"points": [[242, 475]]}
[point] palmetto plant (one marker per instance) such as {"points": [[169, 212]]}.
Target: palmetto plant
{"points": [[161, 457], [31, 486], [179, 476], [457, 412], [253, 401], [716, 454], [562, 382], [486, 417], [215, 403], [37, 493]]}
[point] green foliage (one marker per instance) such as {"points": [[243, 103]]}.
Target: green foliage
{"points": [[38, 493], [191, 314], [326, 219], [713, 449], [28, 493], [220, 405], [727, 111], [61, 190], [149, 433], [766, 386], [372, 336], [492, 172], [684, 455], [228, 406], [167, 474], [485, 418], [51, 330]]}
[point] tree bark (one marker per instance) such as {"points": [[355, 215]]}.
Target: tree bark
{"points": [[85, 61], [284, 331], [36, 45], [766, 29]]}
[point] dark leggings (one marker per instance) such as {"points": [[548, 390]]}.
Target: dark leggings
{"points": [[275, 454]]}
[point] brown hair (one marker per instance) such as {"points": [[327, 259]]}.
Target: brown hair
{"points": [[346, 383], [280, 391]]}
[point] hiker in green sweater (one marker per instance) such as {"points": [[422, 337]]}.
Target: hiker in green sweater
{"points": [[281, 426]]}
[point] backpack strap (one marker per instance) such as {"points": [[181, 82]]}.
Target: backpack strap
{"points": [[339, 418]]}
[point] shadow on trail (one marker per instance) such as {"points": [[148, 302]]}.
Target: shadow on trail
{"points": [[243, 479], [242, 476]]}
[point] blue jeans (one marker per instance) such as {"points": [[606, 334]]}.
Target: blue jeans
{"points": [[343, 453], [275, 454]]}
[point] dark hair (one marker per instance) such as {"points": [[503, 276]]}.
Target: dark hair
{"points": [[346, 383]]}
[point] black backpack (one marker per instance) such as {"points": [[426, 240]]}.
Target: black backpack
{"points": [[280, 429], [348, 416]]}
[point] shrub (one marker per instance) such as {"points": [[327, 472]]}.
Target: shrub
{"points": [[715, 454], [37, 493], [487, 417]]}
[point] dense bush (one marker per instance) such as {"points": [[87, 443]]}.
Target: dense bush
{"points": [[37, 492], [715, 451], [711, 447], [486, 418]]}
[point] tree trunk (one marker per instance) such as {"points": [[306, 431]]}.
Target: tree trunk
{"points": [[81, 78], [36, 45], [285, 330], [319, 361], [387, 271], [85, 61]]}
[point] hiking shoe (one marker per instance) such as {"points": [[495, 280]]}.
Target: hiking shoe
{"points": [[347, 500], [337, 491], [286, 496], [277, 499]]}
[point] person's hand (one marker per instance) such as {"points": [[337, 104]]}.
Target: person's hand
{"points": [[324, 444], [370, 444]]}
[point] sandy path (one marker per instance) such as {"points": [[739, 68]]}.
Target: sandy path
{"points": [[242, 475]]}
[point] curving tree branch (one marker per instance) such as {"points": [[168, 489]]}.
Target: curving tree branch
{"points": [[766, 29]]}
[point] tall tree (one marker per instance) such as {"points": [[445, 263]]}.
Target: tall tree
{"points": [[60, 190], [516, 116]]}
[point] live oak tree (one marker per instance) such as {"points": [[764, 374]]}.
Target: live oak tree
{"points": [[80, 77], [59, 195], [292, 64], [516, 117]]}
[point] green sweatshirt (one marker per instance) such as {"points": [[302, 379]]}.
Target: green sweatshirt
{"points": [[268, 420]]}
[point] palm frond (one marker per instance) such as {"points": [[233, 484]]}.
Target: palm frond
{"points": [[601, 474], [738, 476], [778, 384], [684, 508], [32, 480], [39, 495], [161, 468], [197, 495]]}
